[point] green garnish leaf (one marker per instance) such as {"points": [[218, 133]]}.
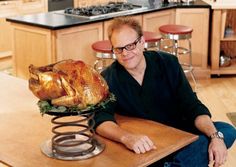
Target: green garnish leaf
{"points": [[46, 106]]}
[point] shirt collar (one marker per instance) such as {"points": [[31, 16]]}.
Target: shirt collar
{"points": [[124, 76]]}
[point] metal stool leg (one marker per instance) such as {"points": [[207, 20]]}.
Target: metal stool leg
{"points": [[97, 65], [152, 46], [176, 47], [166, 48], [173, 47], [194, 80], [158, 44], [191, 65], [100, 63]]}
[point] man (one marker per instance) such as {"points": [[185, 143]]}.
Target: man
{"points": [[152, 85]]}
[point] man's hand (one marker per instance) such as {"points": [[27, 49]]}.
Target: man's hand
{"points": [[138, 143], [217, 152], [217, 149]]}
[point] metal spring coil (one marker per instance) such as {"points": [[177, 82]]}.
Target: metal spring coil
{"points": [[77, 142]]}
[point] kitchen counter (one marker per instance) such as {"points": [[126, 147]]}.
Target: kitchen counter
{"points": [[55, 21]]}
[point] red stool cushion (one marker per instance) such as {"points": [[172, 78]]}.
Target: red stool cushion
{"points": [[102, 46], [175, 29], [151, 36]]}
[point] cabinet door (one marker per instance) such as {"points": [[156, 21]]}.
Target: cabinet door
{"points": [[107, 23], [32, 6], [198, 19], [5, 36], [32, 45], [7, 8], [152, 21], [75, 43]]}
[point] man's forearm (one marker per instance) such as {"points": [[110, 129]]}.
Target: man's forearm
{"points": [[137, 142], [205, 125], [111, 131]]}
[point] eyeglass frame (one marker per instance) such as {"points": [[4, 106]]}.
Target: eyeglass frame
{"points": [[134, 44]]}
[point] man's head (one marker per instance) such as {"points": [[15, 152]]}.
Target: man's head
{"points": [[127, 41]]}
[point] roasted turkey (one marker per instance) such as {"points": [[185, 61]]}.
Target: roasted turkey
{"points": [[68, 83]]}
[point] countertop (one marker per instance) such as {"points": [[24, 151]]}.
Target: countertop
{"points": [[222, 4], [55, 21]]}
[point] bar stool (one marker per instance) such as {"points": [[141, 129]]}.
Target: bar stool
{"points": [[177, 33], [103, 53], [152, 40]]}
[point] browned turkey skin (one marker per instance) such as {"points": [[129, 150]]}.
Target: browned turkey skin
{"points": [[68, 83]]}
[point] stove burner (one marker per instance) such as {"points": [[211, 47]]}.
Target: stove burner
{"points": [[98, 10]]}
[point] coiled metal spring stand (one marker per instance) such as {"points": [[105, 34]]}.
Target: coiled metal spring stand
{"points": [[73, 137]]}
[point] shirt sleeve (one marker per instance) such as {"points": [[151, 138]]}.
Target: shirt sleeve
{"points": [[188, 101], [105, 114]]}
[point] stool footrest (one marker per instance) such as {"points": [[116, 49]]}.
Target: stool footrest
{"points": [[186, 70], [184, 50]]}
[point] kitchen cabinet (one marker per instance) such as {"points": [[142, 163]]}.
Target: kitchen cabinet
{"points": [[32, 45], [13, 8], [5, 44], [75, 43], [152, 21], [40, 46], [7, 8], [32, 6], [198, 19], [221, 18], [5, 36]]}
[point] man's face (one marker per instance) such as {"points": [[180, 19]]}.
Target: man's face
{"points": [[128, 47]]}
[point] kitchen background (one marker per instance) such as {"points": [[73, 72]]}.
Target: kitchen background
{"points": [[10, 8]]}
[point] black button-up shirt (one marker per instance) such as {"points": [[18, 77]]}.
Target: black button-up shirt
{"points": [[165, 95]]}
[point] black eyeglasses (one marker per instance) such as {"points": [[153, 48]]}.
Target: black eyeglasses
{"points": [[127, 47]]}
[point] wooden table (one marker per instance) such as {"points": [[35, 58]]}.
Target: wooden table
{"points": [[23, 130]]}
